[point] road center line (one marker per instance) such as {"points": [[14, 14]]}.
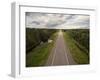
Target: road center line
{"points": [[66, 55]]}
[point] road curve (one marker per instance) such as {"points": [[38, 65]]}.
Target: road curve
{"points": [[60, 54]]}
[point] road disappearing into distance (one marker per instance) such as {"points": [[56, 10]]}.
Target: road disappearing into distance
{"points": [[60, 54]]}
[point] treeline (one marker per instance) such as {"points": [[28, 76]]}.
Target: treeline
{"points": [[81, 36], [36, 36]]}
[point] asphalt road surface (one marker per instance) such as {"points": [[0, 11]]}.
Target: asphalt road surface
{"points": [[60, 54]]}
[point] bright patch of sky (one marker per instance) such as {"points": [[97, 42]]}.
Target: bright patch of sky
{"points": [[60, 21]]}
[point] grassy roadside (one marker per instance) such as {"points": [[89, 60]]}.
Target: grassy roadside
{"points": [[39, 55], [79, 55]]}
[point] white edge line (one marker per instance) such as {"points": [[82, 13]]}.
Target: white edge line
{"points": [[66, 55], [53, 56], [54, 53]]}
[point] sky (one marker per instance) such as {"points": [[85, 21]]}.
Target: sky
{"points": [[59, 21]]}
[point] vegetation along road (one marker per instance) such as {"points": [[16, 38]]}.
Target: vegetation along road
{"points": [[51, 47]]}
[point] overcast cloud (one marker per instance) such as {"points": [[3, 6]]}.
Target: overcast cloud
{"points": [[67, 21]]}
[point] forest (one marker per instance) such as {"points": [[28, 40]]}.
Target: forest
{"points": [[38, 47], [81, 36], [35, 37], [78, 43]]}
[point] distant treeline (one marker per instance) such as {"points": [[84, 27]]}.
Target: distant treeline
{"points": [[81, 36], [36, 36]]}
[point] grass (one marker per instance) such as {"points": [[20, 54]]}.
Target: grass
{"points": [[39, 55], [79, 55]]}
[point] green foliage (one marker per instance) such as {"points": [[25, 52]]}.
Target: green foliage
{"points": [[32, 38], [39, 55], [77, 51], [81, 36], [36, 36]]}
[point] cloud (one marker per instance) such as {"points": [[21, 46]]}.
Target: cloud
{"points": [[56, 20], [78, 21]]}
